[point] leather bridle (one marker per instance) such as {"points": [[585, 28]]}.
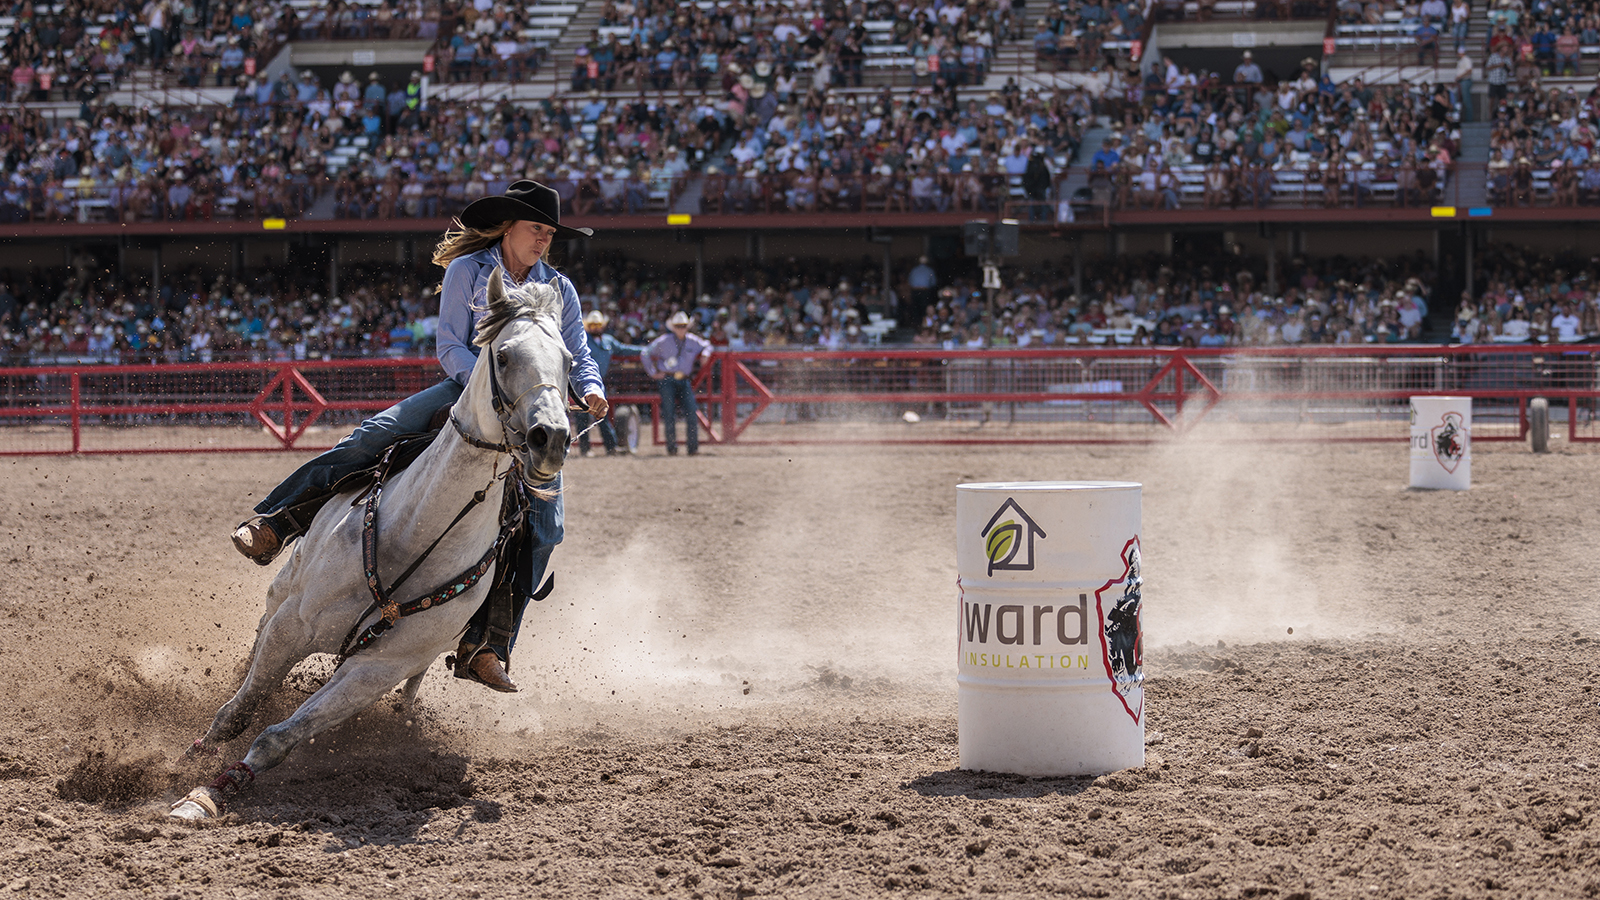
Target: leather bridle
{"points": [[502, 411]]}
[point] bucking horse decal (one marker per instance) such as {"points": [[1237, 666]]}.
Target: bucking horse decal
{"points": [[1122, 632]]}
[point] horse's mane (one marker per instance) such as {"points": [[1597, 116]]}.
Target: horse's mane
{"points": [[528, 301]]}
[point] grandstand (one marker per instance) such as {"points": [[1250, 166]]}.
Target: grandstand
{"points": [[196, 180]]}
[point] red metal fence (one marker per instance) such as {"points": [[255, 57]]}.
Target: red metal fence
{"points": [[1101, 395]]}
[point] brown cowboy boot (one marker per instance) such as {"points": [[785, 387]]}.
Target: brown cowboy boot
{"points": [[484, 667], [482, 662], [262, 540], [258, 542]]}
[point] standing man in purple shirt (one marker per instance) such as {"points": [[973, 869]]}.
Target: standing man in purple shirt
{"points": [[670, 359]]}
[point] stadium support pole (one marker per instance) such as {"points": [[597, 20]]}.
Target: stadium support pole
{"points": [[1272, 259], [1077, 265], [888, 275], [886, 289], [333, 269], [1466, 238]]}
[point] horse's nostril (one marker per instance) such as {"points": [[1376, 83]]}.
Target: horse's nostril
{"points": [[541, 438]]}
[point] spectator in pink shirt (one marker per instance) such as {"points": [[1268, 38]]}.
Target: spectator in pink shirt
{"points": [[1567, 50], [22, 77]]}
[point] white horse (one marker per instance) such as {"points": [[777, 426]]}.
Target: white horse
{"points": [[515, 402]]}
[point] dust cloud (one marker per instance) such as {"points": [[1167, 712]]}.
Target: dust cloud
{"points": [[760, 582], [825, 611], [1231, 543]]}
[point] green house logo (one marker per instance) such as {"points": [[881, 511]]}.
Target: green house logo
{"points": [[1009, 544]]}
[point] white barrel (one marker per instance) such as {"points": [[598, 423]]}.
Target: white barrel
{"points": [[1441, 443], [1050, 668]]}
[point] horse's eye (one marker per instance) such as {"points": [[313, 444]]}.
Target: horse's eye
{"points": [[501, 358]]}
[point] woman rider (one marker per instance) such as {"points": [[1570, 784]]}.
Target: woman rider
{"points": [[512, 232]]}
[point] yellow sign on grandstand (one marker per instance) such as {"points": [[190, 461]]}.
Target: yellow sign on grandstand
{"points": [[1444, 212], [679, 218], [274, 224]]}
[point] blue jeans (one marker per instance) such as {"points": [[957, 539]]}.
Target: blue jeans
{"points": [[608, 434], [364, 446], [545, 528], [677, 399]]}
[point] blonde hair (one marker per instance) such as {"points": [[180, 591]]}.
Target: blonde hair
{"points": [[459, 240]]}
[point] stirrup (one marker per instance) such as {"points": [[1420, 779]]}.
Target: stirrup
{"points": [[463, 666]]}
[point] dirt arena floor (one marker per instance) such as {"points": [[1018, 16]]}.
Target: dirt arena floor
{"points": [[745, 686]]}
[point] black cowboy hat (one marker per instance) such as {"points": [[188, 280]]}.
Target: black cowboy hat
{"points": [[523, 201]]}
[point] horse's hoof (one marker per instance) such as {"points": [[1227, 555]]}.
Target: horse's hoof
{"points": [[199, 749], [197, 804]]}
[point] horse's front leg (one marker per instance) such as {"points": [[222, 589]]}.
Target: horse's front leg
{"points": [[281, 641], [358, 684], [408, 697]]}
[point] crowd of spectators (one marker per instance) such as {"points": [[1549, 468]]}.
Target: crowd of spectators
{"points": [[83, 313], [1540, 37], [817, 150], [1542, 148], [766, 136], [899, 152], [1242, 141], [1075, 34], [56, 51], [276, 312], [79, 49], [820, 149], [1542, 140], [135, 164], [768, 120], [1195, 301], [267, 153], [762, 46], [1526, 297], [770, 113]]}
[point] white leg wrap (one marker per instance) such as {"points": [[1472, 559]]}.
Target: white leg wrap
{"points": [[197, 804]]}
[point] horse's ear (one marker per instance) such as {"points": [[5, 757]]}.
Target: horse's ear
{"points": [[556, 299], [496, 293]]}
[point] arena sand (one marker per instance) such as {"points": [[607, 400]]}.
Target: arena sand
{"points": [[744, 686]]}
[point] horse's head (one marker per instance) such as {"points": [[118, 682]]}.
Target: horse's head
{"points": [[527, 364]]}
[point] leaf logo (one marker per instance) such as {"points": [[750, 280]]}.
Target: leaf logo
{"points": [[1005, 541]]}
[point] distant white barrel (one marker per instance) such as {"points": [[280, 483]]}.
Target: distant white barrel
{"points": [[1441, 443], [1050, 671]]}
